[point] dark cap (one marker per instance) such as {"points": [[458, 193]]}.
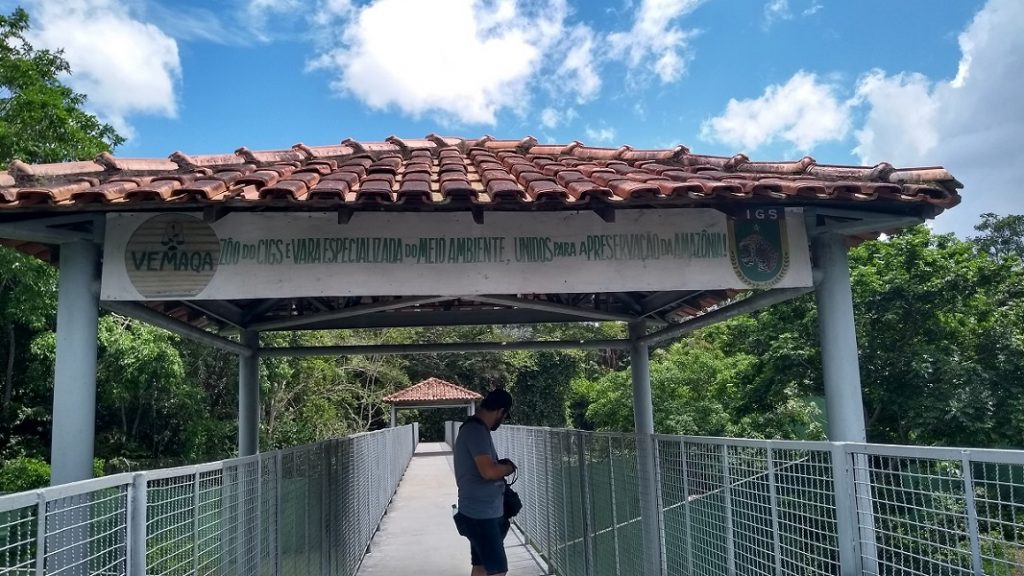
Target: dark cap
{"points": [[497, 399]]}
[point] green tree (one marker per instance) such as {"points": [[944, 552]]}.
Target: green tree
{"points": [[1002, 235], [41, 119], [698, 388]]}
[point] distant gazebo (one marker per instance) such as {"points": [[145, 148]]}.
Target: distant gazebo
{"points": [[432, 393]]}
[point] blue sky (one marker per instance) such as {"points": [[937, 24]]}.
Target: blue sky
{"points": [[912, 82]]}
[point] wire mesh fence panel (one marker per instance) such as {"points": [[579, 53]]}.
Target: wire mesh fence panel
{"points": [[749, 486], [300, 511], [19, 527], [999, 500], [631, 548], [87, 533], [920, 515], [171, 536], [604, 549], [707, 512], [805, 496], [268, 514], [674, 500], [945, 516]]}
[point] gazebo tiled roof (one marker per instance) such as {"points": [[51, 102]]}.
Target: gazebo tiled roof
{"points": [[445, 173], [433, 391]]}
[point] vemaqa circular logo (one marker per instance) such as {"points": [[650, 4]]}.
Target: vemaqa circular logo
{"points": [[172, 255]]}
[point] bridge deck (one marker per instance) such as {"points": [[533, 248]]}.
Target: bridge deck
{"points": [[418, 536]]}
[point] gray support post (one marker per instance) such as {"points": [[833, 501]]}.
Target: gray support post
{"points": [[643, 414], [394, 416], [249, 396], [74, 386], [838, 338], [972, 515], [843, 398], [137, 525]]}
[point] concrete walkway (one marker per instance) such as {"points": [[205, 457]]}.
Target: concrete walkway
{"points": [[418, 537]]}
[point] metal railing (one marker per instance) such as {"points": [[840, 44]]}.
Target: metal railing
{"points": [[734, 506], [304, 510]]}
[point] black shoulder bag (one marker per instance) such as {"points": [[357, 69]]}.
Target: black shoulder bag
{"points": [[513, 504]]}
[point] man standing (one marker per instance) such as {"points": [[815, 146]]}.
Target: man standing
{"points": [[480, 477]]}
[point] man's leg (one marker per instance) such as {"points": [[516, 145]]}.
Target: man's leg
{"points": [[491, 547], [478, 571]]}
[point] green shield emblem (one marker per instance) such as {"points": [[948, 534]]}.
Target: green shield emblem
{"points": [[759, 247]]}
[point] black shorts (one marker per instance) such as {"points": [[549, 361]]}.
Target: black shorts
{"points": [[486, 541]]}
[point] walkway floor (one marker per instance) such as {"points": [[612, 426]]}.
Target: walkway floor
{"points": [[418, 536]]}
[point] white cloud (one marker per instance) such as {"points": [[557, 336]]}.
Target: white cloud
{"points": [[189, 23], [603, 135], [579, 66], [655, 44], [124, 65], [481, 57], [803, 112], [259, 12], [776, 10], [813, 9], [553, 118], [971, 124], [901, 119]]}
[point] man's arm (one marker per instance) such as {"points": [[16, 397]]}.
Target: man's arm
{"points": [[491, 470]]}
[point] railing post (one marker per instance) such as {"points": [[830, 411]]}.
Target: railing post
{"points": [[846, 511], [730, 542], [278, 477], [40, 533], [546, 435], [588, 545], [687, 509], [662, 552], [137, 526], [615, 515], [865, 515], [196, 511], [972, 515], [773, 494], [259, 515]]}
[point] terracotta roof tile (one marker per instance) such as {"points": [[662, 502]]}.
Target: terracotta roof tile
{"points": [[409, 173], [433, 390]]}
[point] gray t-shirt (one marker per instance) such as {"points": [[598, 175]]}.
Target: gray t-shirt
{"points": [[478, 498]]}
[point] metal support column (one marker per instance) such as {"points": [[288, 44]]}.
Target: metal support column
{"points": [[643, 414], [843, 398], [249, 396], [394, 416], [74, 386]]}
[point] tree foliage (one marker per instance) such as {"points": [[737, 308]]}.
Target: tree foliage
{"points": [[41, 119]]}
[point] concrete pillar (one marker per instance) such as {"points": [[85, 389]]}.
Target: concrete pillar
{"points": [[394, 416], [249, 396], [470, 409], [844, 404], [838, 336], [647, 466], [74, 382]]}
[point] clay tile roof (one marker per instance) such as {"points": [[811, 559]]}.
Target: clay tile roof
{"points": [[432, 172], [433, 390]]}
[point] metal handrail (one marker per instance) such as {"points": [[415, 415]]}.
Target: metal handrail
{"points": [[238, 516], [743, 506]]}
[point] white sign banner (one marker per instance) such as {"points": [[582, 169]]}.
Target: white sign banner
{"points": [[178, 256]]}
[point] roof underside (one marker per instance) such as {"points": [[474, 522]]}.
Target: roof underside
{"points": [[449, 174]]}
